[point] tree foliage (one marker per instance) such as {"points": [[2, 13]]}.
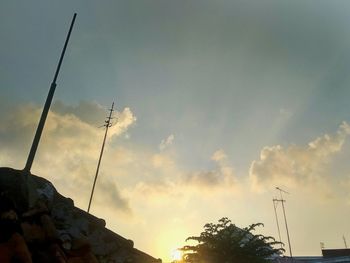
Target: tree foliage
{"points": [[226, 243]]}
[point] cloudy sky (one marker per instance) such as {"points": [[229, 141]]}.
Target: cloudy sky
{"points": [[218, 102]]}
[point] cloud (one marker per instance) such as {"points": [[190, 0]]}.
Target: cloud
{"points": [[223, 174], [297, 165], [162, 178], [285, 113], [89, 112], [68, 150], [94, 114], [16, 127], [112, 196], [168, 173], [165, 143], [219, 156], [162, 161], [205, 179], [124, 119]]}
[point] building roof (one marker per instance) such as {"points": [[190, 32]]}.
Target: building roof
{"points": [[327, 253]]}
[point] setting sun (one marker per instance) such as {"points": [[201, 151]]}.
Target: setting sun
{"points": [[217, 103], [176, 254]]}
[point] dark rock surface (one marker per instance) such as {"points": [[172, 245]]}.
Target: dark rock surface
{"points": [[106, 245]]}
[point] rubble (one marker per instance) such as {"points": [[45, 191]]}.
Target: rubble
{"points": [[76, 231]]}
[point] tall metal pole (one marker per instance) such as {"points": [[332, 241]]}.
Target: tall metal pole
{"points": [[107, 125], [285, 220], [47, 105], [275, 202]]}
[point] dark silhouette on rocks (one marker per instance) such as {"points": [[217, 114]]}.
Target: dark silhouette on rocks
{"points": [[70, 232]]}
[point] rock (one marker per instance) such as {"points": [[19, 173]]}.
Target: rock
{"points": [[69, 220]]}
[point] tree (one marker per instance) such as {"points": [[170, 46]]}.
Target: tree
{"points": [[226, 243]]}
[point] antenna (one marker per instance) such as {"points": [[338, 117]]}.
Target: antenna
{"points": [[47, 105], [281, 190], [346, 245], [275, 203], [107, 125], [285, 218]]}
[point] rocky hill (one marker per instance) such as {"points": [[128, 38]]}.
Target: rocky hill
{"points": [[107, 246]]}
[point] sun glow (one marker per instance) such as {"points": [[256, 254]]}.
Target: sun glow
{"points": [[176, 255], [170, 237]]}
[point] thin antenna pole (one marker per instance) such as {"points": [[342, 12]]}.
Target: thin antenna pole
{"points": [[346, 245], [275, 202], [107, 125], [47, 105], [285, 220]]}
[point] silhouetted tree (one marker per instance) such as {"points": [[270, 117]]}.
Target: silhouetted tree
{"points": [[226, 243]]}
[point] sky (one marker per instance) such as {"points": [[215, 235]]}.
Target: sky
{"points": [[218, 102]]}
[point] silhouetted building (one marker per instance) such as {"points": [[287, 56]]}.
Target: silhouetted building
{"points": [[328, 256], [332, 253]]}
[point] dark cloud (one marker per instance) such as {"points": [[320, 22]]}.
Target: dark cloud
{"points": [[112, 197], [87, 111], [205, 178], [222, 176]]}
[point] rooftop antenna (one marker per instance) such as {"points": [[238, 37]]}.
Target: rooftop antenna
{"points": [[47, 105], [285, 218], [275, 203], [107, 125]]}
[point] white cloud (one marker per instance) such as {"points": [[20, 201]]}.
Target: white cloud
{"points": [[296, 165], [165, 143], [219, 155], [124, 120], [68, 150], [162, 161], [94, 114]]}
